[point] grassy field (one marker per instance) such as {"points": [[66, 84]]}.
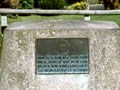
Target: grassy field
{"points": [[39, 18], [114, 18]]}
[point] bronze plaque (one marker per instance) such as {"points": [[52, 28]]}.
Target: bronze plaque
{"points": [[62, 56]]}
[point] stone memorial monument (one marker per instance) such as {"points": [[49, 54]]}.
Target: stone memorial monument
{"points": [[61, 55]]}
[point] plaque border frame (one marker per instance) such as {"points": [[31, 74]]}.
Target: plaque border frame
{"points": [[36, 73]]}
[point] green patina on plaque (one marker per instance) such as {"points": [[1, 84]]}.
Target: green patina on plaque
{"points": [[62, 56]]}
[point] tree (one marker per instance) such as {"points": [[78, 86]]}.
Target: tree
{"points": [[9, 3], [111, 4], [5, 3], [14, 4]]}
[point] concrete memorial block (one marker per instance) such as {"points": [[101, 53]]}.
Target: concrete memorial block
{"points": [[61, 55]]}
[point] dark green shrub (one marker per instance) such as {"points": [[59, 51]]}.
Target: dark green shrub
{"points": [[111, 4], [26, 4], [1, 3], [78, 6], [5, 3], [10, 4], [52, 4], [73, 1]]}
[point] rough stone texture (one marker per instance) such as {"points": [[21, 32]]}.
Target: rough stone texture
{"points": [[18, 56]]}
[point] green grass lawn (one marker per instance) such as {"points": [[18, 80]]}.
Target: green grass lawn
{"points": [[39, 18], [114, 18]]}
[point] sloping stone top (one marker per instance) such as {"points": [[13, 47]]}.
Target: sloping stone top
{"points": [[60, 24]]}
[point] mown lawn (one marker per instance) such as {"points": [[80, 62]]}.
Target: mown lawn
{"points": [[114, 18], [39, 18]]}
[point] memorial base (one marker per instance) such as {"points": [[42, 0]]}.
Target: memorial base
{"points": [[18, 60]]}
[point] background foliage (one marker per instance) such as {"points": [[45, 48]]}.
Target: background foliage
{"points": [[5, 3], [110, 4], [26, 4], [73, 1], [52, 4], [14, 4], [78, 6]]}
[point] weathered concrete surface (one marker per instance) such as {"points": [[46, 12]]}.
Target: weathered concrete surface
{"points": [[59, 12], [18, 56]]}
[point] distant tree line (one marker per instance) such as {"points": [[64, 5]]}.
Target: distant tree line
{"points": [[51, 4], [27, 4]]}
